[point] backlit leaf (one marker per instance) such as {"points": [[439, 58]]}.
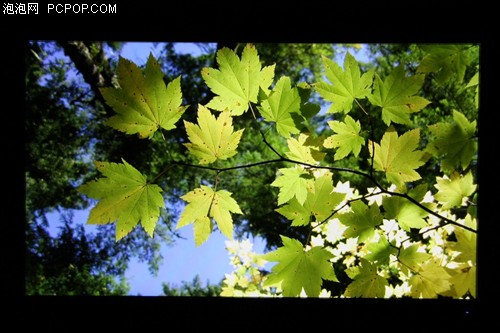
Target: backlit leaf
{"points": [[124, 196], [346, 85], [320, 203], [299, 269], [412, 258], [367, 282], [455, 142], [466, 243], [283, 107], [204, 203], [474, 81], [293, 182], [304, 149], [236, 83], [463, 280], [430, 280], [361, 221], [143, 103], [408, 215], [347, 139], [398, 157], [397, 96], [451, 191], [213, 138], [379, 251], [446, 60]]}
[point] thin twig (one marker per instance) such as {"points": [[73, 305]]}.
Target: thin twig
{"points": [[331, 168]]}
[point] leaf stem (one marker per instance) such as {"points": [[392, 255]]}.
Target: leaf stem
{"points": [[251, 109], [215, 192]]}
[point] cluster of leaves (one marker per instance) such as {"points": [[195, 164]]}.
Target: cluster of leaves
{"points": [[399, 237]]}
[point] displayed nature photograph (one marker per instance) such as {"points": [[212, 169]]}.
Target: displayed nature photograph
{"points": [[251, 170]]}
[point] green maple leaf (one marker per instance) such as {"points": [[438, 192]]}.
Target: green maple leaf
{"points": [[412, 258], [347, 85], [299, 269], [446, 60], [466, 243], [463, 279], [321, 202], [237, 82], [304, 149], [293, 182], [361, 221], [452, 191], [347, 139], [143, 103], [454, 141], [430, 280], [367, 282], [396, 96], [474, 81], [124, 196], [380, 251], [202, 229], [398, 157], [293, 210], [213, 138], [283, 107], [204, 203], [405, 212]]}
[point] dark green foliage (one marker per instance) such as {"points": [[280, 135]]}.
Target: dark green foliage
{"points": [[193, 288], [72, 263], [55, 110]]}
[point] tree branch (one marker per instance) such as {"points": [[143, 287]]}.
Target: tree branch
{"points": [[373, 180], [368, 176], [447, 220], [91, 62]]}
